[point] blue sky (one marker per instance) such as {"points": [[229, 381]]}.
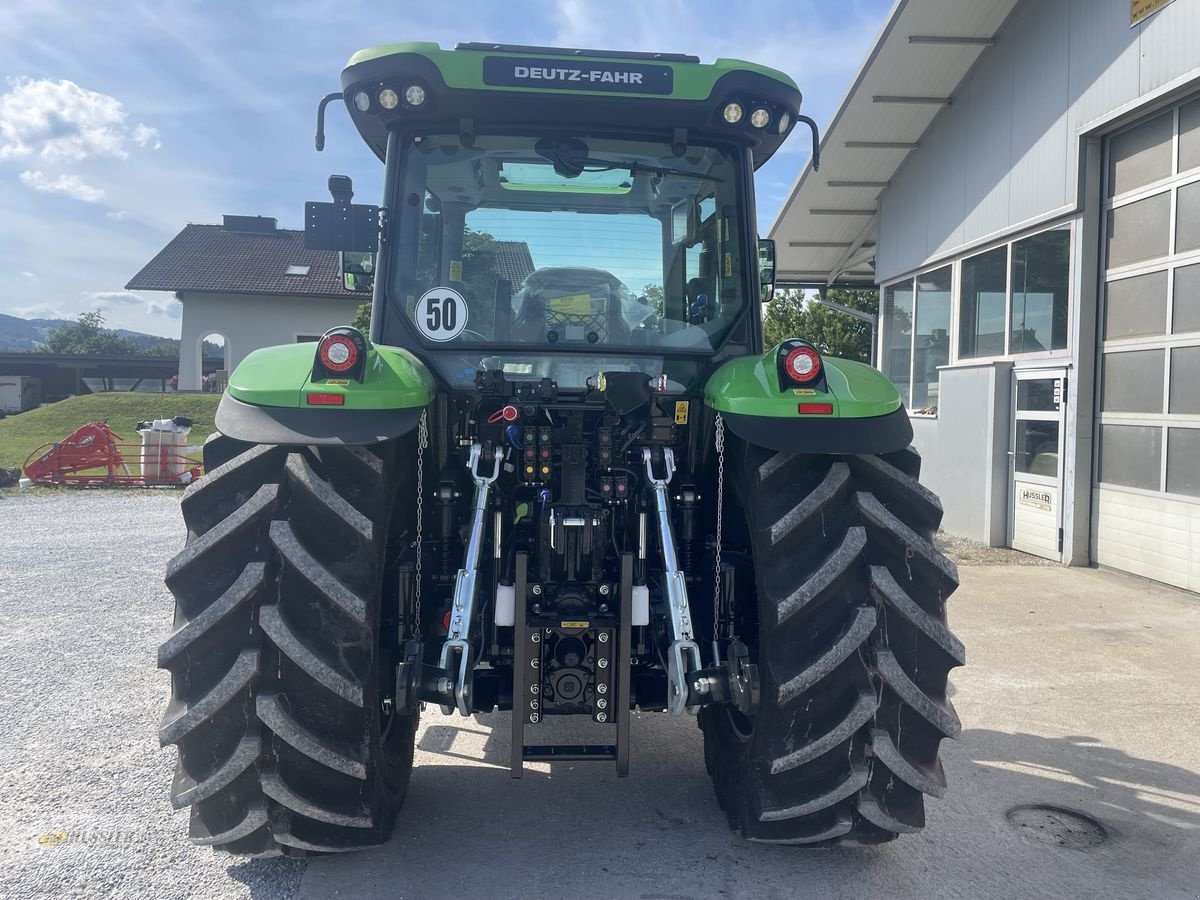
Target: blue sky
{"points": [[123, 120]]}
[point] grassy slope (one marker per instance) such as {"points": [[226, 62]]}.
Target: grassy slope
{"points": [[21, 435]]}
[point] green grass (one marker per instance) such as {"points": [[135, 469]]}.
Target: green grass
{"points": [[22, 434]]}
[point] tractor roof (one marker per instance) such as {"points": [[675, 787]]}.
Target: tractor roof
{"points": [[481, 86]]}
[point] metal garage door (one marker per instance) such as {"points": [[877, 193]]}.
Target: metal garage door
{"points": [[1146, 504]]}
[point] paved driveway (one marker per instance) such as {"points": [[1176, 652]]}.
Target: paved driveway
{"points": [[1080, 693]]}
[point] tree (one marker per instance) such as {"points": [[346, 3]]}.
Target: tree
{"points": [[479, 260], [834, 333], [362, 318], [656, 298], [87, 335]]}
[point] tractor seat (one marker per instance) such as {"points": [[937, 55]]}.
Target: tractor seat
{"points": [[571, 305]]}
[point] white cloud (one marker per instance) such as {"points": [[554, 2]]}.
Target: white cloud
{"points": [[71, 185], [151, 305], [30, 275], [144, 135], [60, 121], [116, 215], [42, 311]]}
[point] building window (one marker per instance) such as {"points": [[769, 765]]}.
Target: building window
{"points": [[931, 346], [1040, 272], [981, 303], [1012, 300], [916, 322], [897, 323]]}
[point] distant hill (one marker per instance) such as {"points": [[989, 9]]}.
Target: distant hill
{"points": [[17, 334], [24, 334]]}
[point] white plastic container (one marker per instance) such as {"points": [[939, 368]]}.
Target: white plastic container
{"points": [[506, 605], [164, 447], [641, 605]]}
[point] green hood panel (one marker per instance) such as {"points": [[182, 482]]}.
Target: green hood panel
{"points": [[750, 386], [282, 376]]}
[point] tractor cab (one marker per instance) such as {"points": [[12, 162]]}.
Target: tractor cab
{"points": [[570, 211]]}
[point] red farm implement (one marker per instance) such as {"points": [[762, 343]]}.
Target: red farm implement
{"points": [[96, 456]]}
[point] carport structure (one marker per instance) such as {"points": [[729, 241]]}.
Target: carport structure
{"points": [[826, 231]]}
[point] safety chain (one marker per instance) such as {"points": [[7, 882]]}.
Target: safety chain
{"points": [[422, 443], [720, 443]]}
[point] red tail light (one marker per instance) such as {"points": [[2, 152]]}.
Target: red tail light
{"points": [[326, 399], [803, 365], [338, 353], [815, 409]]}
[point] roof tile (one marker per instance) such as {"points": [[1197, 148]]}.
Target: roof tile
{"points": [[214, 258]]}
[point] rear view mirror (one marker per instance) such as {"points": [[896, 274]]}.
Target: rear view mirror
{"points": [[683, 222], [766, 269], [358, 271]]}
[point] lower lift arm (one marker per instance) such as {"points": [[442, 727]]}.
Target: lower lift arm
{"points": [[462, 611], [684, 654]]}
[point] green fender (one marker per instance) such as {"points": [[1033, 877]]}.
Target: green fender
{"points": [[855, 410], [267, 401]]}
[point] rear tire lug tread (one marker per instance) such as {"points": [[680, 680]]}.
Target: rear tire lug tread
{"points": [[870, 511], [272, 713], [244, 755], [888, 593], [278, 790], [860, 714], [193, 714], [291, 645], [214, 541], [300, 560], [234, 597], [823, 582], [847, 645]]}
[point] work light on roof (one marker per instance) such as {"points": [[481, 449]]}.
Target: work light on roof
{"points": [[732, 113], [784, 121], [414, 95], [388, 98], [362, 101], [759, 118]]}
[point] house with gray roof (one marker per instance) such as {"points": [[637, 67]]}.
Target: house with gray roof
{"points": [[255, 285], [249, 282]]}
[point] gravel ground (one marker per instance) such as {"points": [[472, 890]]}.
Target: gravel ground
{"points": [[1072, 698], [79, 714], [966, 552]]}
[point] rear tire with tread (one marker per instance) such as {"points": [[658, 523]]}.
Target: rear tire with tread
{"points": [[850, 636], [275, 659]]}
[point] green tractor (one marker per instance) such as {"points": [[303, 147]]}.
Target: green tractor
{"points": [[560, 476]]}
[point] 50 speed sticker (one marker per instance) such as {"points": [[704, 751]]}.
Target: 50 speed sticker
{"points": [[441, 314]]}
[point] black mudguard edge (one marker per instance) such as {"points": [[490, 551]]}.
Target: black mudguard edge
{"points": [[877, 434], [279, 425]]}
